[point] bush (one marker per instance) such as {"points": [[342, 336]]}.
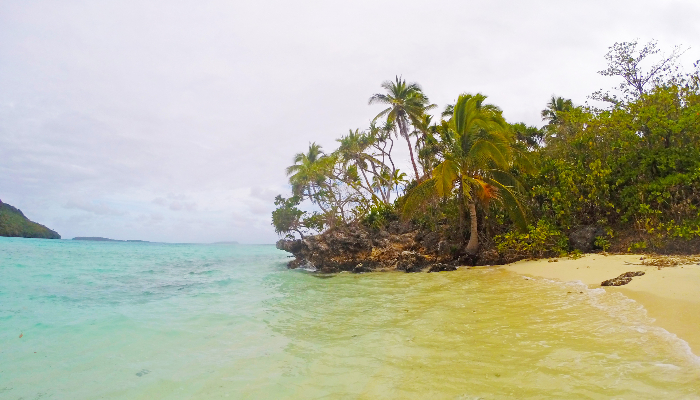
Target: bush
{"points": [[380, 215], [543, 240]]}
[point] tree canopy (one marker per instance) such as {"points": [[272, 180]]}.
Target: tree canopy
{"points": [[631, 167]]}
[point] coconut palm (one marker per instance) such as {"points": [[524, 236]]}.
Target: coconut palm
{"points": [[556, 106], [353, 150], [308, 174], [406, 104], [478, 153]]}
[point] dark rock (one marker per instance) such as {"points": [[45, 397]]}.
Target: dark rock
{"points": [[358, 249], [439, 267], [429, 241], [360, 268], [490, 257], [446, 248], [291, 246], [414, 268], [583, 237], [410, 261], [623, 279], [400, 227]]}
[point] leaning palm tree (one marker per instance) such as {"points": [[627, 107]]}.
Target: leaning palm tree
{"points": [[478, 153], [406, 104]]}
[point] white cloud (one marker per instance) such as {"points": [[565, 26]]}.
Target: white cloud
{"points": [[95, 208], [188, 115]]}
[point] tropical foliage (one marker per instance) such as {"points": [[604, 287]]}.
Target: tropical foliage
{"points": [[630, 164]]}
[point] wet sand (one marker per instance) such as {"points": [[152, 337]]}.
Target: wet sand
{"points": [[670, 295]]}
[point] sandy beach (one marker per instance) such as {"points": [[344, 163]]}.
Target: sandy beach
{"points": [[671, 295]]}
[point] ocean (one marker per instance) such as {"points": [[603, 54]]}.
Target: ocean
{"points": [[114, 320]]}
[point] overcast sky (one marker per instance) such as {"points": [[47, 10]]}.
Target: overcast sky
{"points": [[174, 120]]}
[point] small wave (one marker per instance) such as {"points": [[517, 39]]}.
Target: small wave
{"points": [[631, 313], [207, 272]]}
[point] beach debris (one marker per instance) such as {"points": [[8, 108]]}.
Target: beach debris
{"points": [[667, 261], [623, 279], [553, 260]]}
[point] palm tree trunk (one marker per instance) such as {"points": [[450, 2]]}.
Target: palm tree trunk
{"points": [[473, 245], [404, 133], [460, 195]]}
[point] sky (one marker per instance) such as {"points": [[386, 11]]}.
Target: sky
{"points": [[174, 121]]}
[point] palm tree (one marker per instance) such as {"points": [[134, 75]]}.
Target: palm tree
{"points": [[353, 150], [556, 106], [478, 152], [406, 105], [308, 173]]}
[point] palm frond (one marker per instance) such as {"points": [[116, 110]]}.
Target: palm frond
{"points": [[417, 197], [515, 210], [445, 175]]}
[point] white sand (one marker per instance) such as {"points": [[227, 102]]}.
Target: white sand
{"points": [[670, 295]]}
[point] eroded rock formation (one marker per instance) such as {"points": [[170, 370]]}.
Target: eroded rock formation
{"points": [[358, 249]]}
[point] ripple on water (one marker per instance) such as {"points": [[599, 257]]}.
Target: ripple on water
{"points": [[201, 321]]}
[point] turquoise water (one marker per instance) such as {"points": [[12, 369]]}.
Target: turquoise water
{"points": [[177, 321]]}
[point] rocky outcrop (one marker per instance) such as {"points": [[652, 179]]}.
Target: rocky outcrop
{"points": [[623, 279], [13, 223], [357, 249]]}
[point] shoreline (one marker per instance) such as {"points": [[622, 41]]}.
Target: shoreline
{"points": [[670, 295]]}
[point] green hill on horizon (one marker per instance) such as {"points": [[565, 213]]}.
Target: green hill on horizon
{"points": [[13, 223]]}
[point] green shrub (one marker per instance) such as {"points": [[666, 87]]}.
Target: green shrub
{"points": [[637, 246], [543, 240], [380, 215], [602, 242]]}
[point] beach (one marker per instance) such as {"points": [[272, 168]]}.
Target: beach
{"points": [[671, 295]]}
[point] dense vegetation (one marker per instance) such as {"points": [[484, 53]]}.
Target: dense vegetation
{"points": [[14, 224], [630, 168]]}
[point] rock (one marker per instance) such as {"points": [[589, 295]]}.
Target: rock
{"points": [[400, 227], [358, 249], [619, 281], [291, 246], [360, 268], [583, 237], [446, 248], [623, 279], [410, 261], [414, 268], [439, 267], [430, 241], [490, 257]]}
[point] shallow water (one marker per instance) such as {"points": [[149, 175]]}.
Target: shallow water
{"points": [[152, 321]]}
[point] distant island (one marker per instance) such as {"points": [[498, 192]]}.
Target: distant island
{"points": [[13, 223], [101, 239]]}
